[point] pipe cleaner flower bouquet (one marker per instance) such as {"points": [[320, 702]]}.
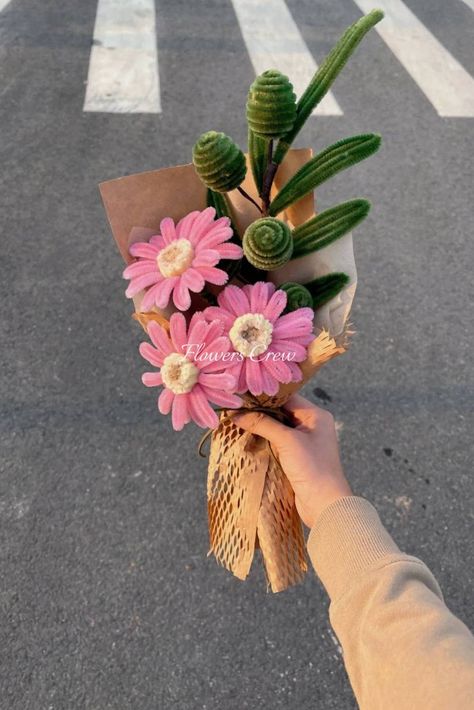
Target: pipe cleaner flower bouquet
{"points": [[244, 293]]}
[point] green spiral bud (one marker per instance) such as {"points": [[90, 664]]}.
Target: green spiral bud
{"points": [[219, 162], [297, 296], [268, 243], [271, 105]]}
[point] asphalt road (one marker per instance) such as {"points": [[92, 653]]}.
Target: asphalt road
{"points": [[108, 600]]}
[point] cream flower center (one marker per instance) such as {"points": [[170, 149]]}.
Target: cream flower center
{"points": [[178, 373], [251, 334], [175, 258]]}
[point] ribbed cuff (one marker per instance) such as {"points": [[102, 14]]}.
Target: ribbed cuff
{"points": [[347, 539]]}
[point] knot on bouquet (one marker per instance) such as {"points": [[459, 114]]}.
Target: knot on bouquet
{"points": [[244, 293]]}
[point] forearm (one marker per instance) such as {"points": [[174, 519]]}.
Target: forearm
{"points": [[402, 647]]}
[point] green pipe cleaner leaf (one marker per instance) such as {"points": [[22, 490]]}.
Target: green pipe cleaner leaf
{"points": [[336, 157], [326, 287], [219, 162], [258, 152], [320, 231], [325, 76]]}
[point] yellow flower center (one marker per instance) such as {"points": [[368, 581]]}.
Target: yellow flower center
{"points": [[251, 334], [178, 373], [175, 258]]}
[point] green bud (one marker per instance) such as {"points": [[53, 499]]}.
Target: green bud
{"points": [[271, 105], [219, 162], [297, 296], [268, 243]]}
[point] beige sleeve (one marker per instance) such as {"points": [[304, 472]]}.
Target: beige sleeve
{"points": [[403, 648]]}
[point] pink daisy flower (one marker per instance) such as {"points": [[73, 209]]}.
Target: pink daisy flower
{"points": [[192, 377], [180, 259], [270, 345]]}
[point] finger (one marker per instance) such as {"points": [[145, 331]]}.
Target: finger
{"points": [[262, 425], [303, 411]]}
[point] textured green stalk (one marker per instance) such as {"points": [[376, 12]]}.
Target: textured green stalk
{"points": [[297, 296], [326, 287], [219, 162], [325, 228], [325, 76], [336, 157], [271, 105], [268, 243], [258, 152], [220, 204]]}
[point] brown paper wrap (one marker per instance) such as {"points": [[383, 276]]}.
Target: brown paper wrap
{"points": [[250, 501]]}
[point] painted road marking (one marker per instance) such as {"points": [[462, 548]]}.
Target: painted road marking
{"points": [[3, 4], [274, 41], [445, 83], [469, 3], [123, 66]]}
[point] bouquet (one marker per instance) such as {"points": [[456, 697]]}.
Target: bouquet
{"points": [[244, 293]]}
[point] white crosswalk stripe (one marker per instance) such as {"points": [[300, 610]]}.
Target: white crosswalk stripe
{"points": [[439, 75], [123, 67], [469, 3], [3, 4], [274, 41]]}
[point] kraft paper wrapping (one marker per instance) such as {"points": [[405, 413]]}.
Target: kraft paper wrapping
{"points": [[250, 501]]}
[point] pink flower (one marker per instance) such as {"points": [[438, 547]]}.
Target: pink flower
{"points": [[181, 259], [270, 345], [191, 377]]}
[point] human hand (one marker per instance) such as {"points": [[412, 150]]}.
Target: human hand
{"points": [[308, 454]]}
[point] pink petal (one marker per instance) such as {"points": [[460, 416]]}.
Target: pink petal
{"points": [[218, 346], [206, 257], [181, 296], [234, 300], [276, 305], [141, 282], [230, 251], [144, 250], [290, 347], [242, 383], [214, 238], [184, 226], [259, 295], [213, 275], [296, 374], [254, 376], [214, 313], [180, 412], [168, 230], [270, 384], [222, 381], [215, 330], [139, 268], [150, 297], [193, 280], [159, 338], [165, 400], [178, 331], [233, 367], [200, 409], [201, 224], [197, 330], [152, 379], [222, 399], [157, 241], [149, 353], [278, 369]]}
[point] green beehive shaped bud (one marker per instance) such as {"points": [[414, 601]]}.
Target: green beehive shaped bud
{"points": [[268, 243], [271, 105], [219, 162], [297, 296]]}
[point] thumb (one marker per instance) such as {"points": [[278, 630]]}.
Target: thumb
{"points": [[261, 425]]}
